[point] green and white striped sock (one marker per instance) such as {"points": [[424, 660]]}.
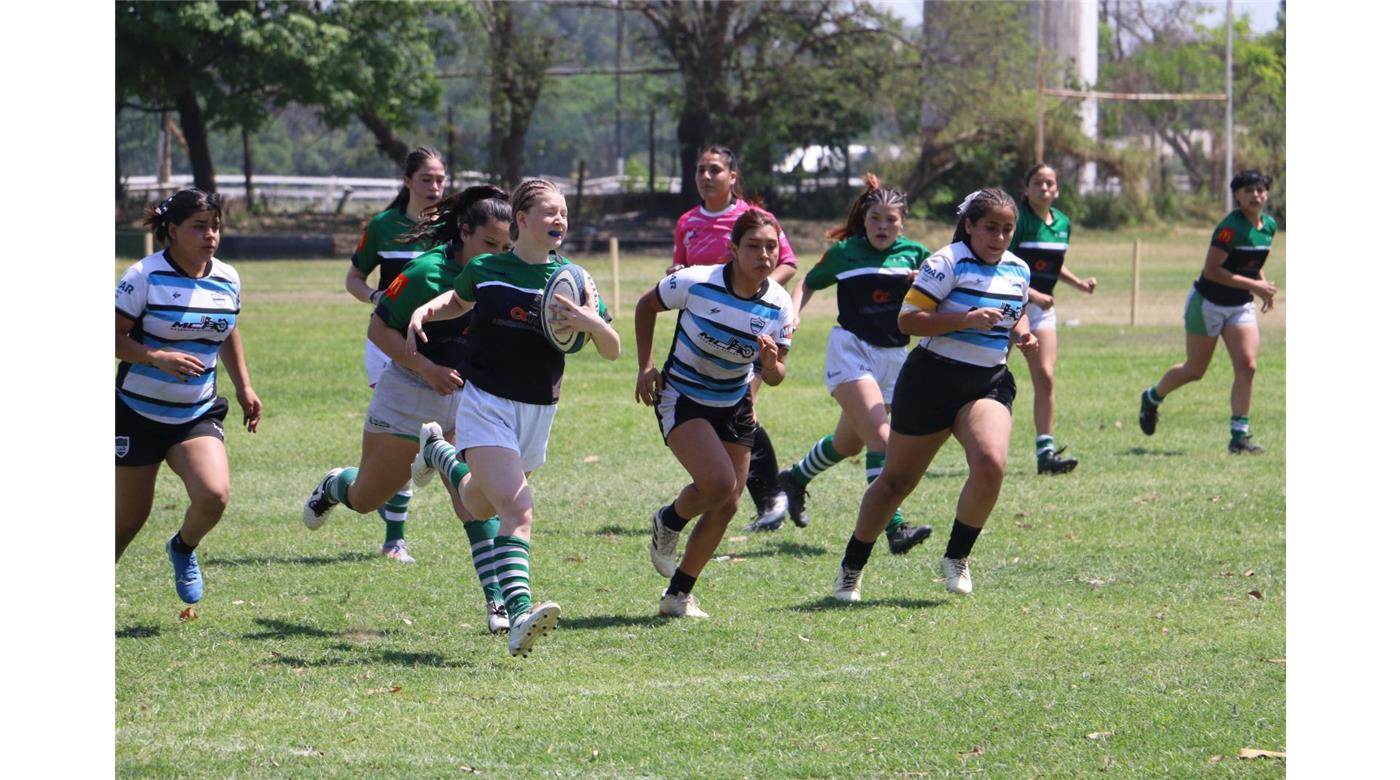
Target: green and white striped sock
{"points": [[1239, 427], [821, 457], [340, 486], [1044, 444], [513, 573], [443, 456], [874, 465], [395, 513], [482, 535]]}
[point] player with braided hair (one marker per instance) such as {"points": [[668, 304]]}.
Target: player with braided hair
{"points": [[423, 386], [871, 265]]}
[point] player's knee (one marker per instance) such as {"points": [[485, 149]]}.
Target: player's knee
{"points": [[986, 465], [893, 486], [210, 501], [1244, 369], [715, 488], [1193, 372]]}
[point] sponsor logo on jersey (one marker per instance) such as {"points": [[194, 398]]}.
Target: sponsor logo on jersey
{"points": [[126, 288], [175, 296], [205, 323], [123, 446], [732, 346], [716, 310], [364, 236], [756, 324], [1226, 235], [218, 298], [880, 296], [519, 314], [396, 286]]}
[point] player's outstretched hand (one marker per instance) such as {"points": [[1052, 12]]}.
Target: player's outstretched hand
{"points": [[767, 352], [648, 386], [252, 408], [1028, 344]]}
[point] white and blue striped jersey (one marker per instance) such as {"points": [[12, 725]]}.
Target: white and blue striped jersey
{"points": [[716, 343], [954, 280], [174, 311]]}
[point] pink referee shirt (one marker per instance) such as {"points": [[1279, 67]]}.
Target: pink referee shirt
{"points": [[702, 237]]}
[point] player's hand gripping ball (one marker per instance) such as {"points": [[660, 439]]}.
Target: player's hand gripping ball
{"points": [[572, 283]]}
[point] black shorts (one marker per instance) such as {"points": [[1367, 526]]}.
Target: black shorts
{"points": [[931, 389], [735, 424], [142, 441]]}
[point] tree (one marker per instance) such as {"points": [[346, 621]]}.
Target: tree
{"points": [[744, 65], [977, 63], [230, 64], [519, 55]]}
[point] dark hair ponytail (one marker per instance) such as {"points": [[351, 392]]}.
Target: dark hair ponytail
{"points": [[178, 207], [731, 161], [416, 159], [874, 195], [976, 205], [471, 208]]}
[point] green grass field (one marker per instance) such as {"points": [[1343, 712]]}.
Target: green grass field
{"points": [[1112, 628]]}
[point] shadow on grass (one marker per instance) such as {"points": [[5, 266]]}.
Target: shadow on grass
{"points": [[351, 647], [304, 560], [961, 474], [829, 602], [597, 622], [138, 632], [786, 549], [1155, 453], [623, 530]]}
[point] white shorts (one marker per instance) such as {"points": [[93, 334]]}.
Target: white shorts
{"points": [[402, 402], [375, 362], [1204, 318], [848, 359], [1040, 319], [486, 420]]}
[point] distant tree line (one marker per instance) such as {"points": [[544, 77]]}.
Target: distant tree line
{"points": [[525, 87]]}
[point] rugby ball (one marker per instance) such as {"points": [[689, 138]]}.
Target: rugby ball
{"points": [[569, 281]]}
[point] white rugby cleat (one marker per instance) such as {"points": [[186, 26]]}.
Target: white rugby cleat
{"points": [[422, 470], [957, 574], [847, 588]]}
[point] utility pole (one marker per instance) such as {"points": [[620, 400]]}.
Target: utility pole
{"points": [[1229, 102], [618, 101]]}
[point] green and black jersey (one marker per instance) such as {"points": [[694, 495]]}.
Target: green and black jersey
{"points": [[1248, 248], [380, 248], [1042, 246], [870, 285], [507, 353], [423, 279]]}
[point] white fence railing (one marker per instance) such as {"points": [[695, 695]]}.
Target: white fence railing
{"points": [[334, 191]]}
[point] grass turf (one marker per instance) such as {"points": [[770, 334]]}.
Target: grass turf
{"points": [[1112, 626]]}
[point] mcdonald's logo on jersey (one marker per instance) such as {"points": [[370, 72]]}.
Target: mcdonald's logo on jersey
{"points": [[396, 286], [1226, 235], [364, 236], [880, 296]]}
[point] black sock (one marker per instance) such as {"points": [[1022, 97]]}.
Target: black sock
{"points": [[178, 544], [857, 553], [680, 583], [961, 539], [763, 469], [671, 519]]}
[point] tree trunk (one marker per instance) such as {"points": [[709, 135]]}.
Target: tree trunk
{"points": [[121, 191], [197, 141], [385, 139], [249, 198]]}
